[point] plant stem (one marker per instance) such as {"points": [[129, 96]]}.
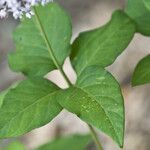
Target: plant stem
{"points": [[95, 138], [93, 133]]}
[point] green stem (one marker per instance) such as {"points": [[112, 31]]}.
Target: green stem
{"points": [[95, 138], [93, 133]]}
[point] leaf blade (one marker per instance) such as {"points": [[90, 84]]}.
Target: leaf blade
{"points": [[138, 10], [3, 93], [16, 145], [39, 52], [97, 100], [102, 45], [147, 3], [30, 105], [76, 142], [141, 73]]}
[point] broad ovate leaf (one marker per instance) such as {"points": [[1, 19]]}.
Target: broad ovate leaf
{"points": [[139, 11], [141, 74], [103, 45], [73, 142], [96, 99], [42, 42], [30, 105]]}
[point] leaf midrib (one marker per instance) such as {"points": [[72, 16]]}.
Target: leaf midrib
{"points": [[48, 45], [89, 95], [50, 50]]}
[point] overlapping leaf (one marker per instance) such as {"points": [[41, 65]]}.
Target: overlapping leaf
{"points": [[43, 42], [30, 105], [103, 45], [139, 11], [75, 142], [142, 72], [96, 98]]}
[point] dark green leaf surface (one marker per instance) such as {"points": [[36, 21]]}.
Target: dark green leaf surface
{"points": [[43, 42], [15, 146], [103, 45], [75, 142], [142, 72], [30, 105], [97, 99], [139, 12]]}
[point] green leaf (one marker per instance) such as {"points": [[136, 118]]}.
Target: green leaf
{"points": [[15, 146], [140, 13], [43, 42], [102, 45], [30, 105], [141, 74], [96, 99], [75, 142], [3, 93], [147, 3]]}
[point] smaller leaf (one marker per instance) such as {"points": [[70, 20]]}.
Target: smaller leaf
{"points": [[141, 74], [30, 105], [139, 12], [75, 142], [15, 146]]}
